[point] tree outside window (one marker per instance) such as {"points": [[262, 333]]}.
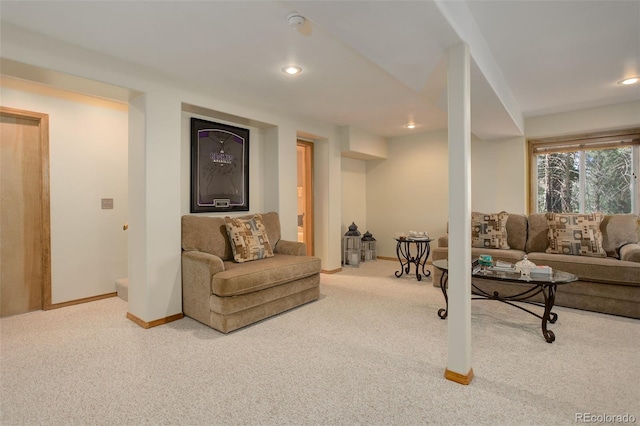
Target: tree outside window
{"points": [[586, 175]]}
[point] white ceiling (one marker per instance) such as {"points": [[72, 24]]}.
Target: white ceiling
{"points": [[375, 65]]}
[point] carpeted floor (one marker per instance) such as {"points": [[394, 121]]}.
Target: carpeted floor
{"points": [[371, 351]]}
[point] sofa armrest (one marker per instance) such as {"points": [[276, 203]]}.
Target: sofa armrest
{"points": [[630, 252], [443, 241], [294, 248], [203, 262], [198, 268]]}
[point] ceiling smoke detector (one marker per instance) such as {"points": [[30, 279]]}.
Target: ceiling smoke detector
{"points": [[295, 20]]}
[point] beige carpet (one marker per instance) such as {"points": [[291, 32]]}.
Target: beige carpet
{"points": [[371, 351]]}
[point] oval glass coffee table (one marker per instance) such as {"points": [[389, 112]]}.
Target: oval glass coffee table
{"points": [[524, 289]]}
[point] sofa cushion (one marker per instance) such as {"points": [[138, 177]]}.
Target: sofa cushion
{"points": [[230, 305], [242, 278], [575, 234], [517, 231], [603, 270], [271, 222], [206, 234], [489, 230], [617, 231], [630, 253], [537, 233], [248, 238]]}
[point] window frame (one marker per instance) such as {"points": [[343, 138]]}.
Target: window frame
{"points": [[591, 141]]}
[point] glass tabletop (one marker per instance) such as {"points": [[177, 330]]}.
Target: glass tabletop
{"points": [[556, 277]]}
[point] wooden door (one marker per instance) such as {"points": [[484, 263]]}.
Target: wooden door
{"points": [[25, 261], [305, 194]]}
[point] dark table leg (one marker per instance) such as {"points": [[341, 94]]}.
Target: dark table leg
{"points": [[549, 300], [402, 251], [443, 313], [427, 250], [416, 260]]}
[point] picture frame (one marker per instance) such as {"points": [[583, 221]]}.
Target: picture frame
{"points": [[219, 167]]}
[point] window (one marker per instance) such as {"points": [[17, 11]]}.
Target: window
{"points": [[585, 174]]}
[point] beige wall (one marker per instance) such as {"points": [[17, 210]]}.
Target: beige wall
{"points": [[408, 190], [360, 144], [619, 116], [498, 175], [88, 161], [354, 194]]}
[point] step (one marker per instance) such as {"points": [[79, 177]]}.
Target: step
{"points": [[122, 287]]}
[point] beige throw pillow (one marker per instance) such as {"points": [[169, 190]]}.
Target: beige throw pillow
{"points": [[248, 238], [575, 234], [489, 230]]}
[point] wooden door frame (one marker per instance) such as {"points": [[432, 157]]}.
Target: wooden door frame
{"points": [[308, 182], [43, 126]]}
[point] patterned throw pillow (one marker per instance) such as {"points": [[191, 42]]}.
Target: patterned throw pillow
{"points": [[576, 234], [248, 238], [489, 230]]}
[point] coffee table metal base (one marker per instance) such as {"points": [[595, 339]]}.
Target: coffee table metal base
{"points": [[548, 291]]}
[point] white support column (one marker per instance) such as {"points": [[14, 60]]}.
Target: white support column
{"points": [[280, 178], [459, 332], [327, 199], [287, 182], [155, 290]]}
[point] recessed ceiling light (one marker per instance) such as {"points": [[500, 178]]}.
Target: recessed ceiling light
{"points": [[292, 69], [630, 80], [411, 126]]}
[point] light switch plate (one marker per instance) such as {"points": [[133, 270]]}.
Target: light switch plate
{"points": [[107, 203]]}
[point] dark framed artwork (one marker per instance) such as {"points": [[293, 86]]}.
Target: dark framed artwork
{"points": [[219, 167]]}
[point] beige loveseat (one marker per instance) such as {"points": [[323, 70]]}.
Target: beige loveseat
{"points": [[608, 284], [227, 295]]}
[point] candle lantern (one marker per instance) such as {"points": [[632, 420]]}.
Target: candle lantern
{"points": [[369, 250], [351, 246]]}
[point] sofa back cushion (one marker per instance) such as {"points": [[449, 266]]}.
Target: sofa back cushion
{"points": [[209, 234], [271, 222], [618, 230], [538, 236], [517, 231]]}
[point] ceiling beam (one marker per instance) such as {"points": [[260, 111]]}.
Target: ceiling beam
{"points": [[461, 20]]}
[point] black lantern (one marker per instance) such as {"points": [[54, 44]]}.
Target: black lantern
{"points": [[369, 249], [351, 246]]}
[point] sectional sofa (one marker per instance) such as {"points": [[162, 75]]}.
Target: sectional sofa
{"points": [[607, 263]]}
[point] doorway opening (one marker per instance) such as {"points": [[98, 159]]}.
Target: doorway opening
{"points": [[304, 151]]}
